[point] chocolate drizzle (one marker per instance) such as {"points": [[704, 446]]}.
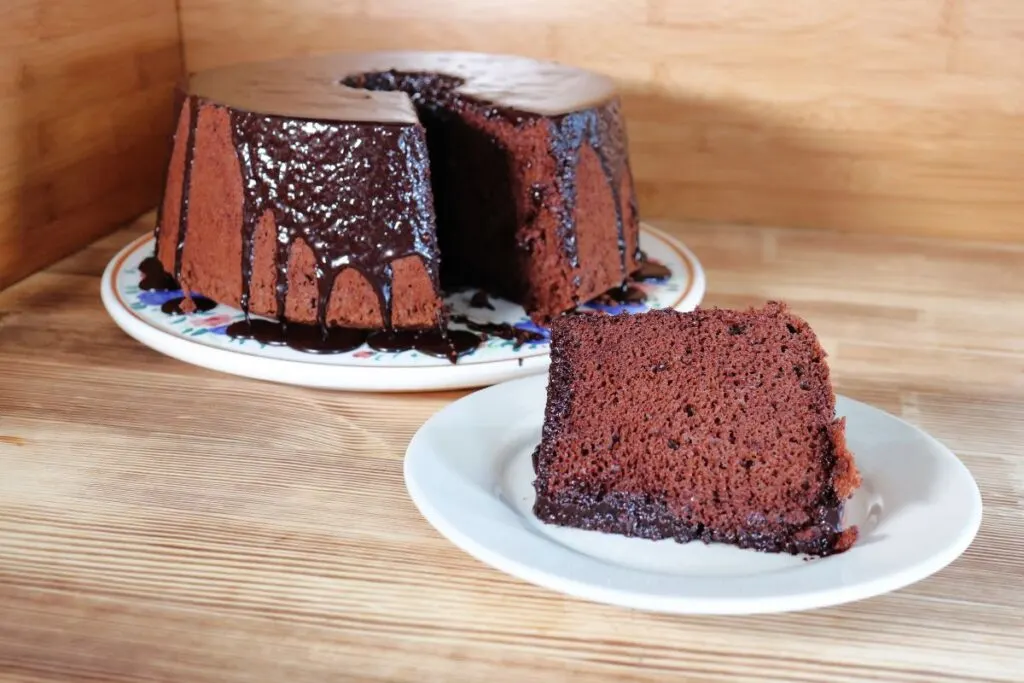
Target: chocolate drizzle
{"points": [[568, 135], [436, 96], [448, 344], [154, 277], [357, 195], [186, 183], [301, 337], [649, 271], [516, 335]]}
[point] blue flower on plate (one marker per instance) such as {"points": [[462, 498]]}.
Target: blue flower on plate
{"points": [[158, 297], [531, 326], [616, 308]]}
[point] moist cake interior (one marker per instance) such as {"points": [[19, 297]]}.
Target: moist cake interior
{"points": [[713, 425]]}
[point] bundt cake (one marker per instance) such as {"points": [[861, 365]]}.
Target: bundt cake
{"points": [[716, 425], [345, 189]]}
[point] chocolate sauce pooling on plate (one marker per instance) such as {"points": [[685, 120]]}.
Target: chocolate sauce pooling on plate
{"points": [[650, 271], [154, 277], [200, 304], [501, 330], [626, 294], [449, 344], [309, 338]]}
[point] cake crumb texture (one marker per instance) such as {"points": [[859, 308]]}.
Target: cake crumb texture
{"points": [[716, 425]]}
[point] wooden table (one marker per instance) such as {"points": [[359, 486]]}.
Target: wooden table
{"points": [[160, 522]]}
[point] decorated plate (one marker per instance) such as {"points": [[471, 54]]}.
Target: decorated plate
{"points": [[206, 338], [469, 471]]}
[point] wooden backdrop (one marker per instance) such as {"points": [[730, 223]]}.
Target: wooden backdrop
{"points": [[865, 115], [85, 106]]}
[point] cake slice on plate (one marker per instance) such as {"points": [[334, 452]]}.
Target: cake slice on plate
{"points": [[716, 425]]}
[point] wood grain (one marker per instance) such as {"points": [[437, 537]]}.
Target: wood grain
{"points": [[85, 111], [865, 116], [162, 522]]}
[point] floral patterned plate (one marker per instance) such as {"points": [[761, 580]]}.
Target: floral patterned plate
{"points": [[201, 338]]}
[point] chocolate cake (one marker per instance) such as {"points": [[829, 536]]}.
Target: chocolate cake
{"points": [[343, 189], [716, 425]]}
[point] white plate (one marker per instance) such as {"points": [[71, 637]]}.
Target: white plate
{"points": [[469, 471], [200, 338]]}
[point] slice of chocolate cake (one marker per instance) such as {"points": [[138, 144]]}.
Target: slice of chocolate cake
{"points": [[716, 425]]}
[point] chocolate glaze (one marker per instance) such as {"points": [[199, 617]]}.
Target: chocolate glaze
{"points": [[501, 330], [309, 338], [196, 304], [448, 344], [568, 135], [186, 183], [154, 277], [319, 180], [480, 300], [626, 294], [435, 93], [650, 271]]}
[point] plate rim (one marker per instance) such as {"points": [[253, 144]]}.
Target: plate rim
{"points": [[349, 377], [690, 604]]}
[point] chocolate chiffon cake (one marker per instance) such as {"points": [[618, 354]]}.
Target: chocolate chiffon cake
{"points": [[345, 189], [716, 425]]}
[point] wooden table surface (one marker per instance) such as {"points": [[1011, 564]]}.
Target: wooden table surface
{"points": [[160, 522]]}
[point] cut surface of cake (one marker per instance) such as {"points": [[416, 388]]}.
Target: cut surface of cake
{"points": [[342, 189], [716, 425]]}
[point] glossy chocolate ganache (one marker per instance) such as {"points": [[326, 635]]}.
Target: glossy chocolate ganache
{"points": [[444, 109], [320, 182]]}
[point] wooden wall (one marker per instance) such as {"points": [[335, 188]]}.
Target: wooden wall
{"points": [[867, 115], [85, 108]]}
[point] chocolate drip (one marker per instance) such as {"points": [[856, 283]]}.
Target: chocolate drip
{"points": [[182, 306], [330, 186], [154, 277], [568, 135], [186, 184]]}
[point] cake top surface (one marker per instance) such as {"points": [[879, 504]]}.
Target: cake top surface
{"points": [[311, 87]]}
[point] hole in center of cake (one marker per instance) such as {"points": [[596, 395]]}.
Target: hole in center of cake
{"points": [[470, 144]]}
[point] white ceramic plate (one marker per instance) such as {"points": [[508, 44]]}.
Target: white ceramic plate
{"points": [[200, 338], [470, 473]]}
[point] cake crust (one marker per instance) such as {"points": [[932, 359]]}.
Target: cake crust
{"points": [[714, 425]]}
